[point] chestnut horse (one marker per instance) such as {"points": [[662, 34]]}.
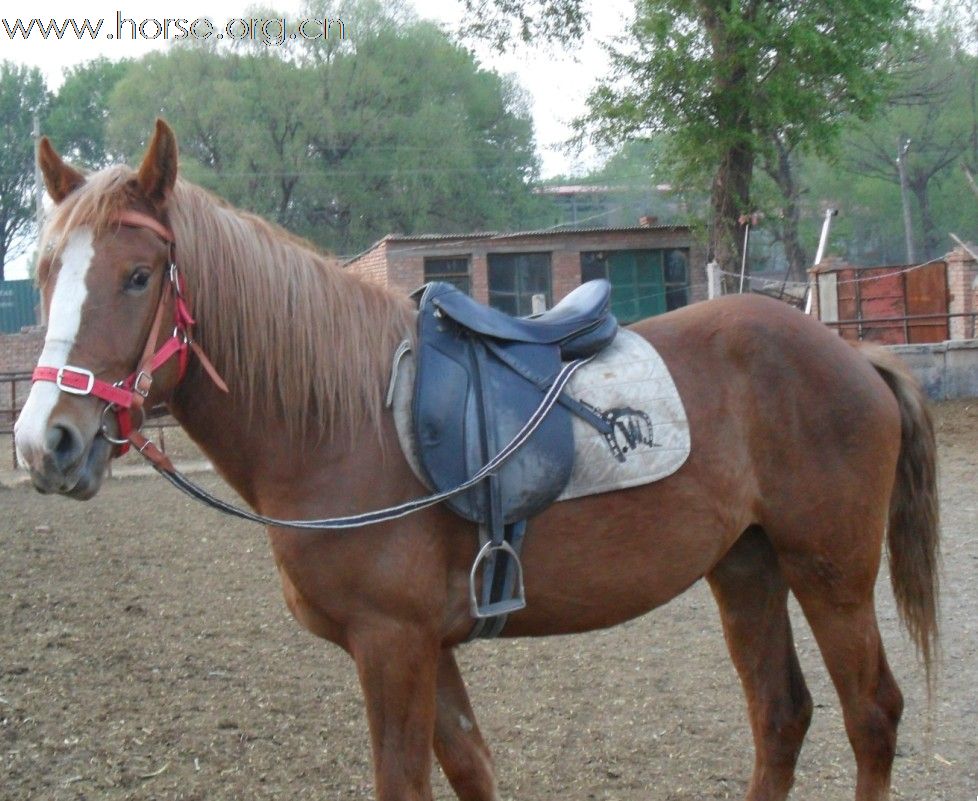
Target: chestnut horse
{"points": [[807, 454]]}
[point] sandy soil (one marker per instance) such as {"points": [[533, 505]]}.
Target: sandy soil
{"points": [[145, 653]]}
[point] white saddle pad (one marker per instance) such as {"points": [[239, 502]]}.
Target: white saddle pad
{"points": [[628, 384]]}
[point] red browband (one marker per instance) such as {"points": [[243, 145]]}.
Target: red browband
{"points": [[130, 394]]}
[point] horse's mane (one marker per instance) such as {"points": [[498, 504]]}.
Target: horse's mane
{"points": [[299, 338]]}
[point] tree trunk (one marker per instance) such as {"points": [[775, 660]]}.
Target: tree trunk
{"points": [[919, 188], [730, 197], [783, 174], [730, 193]]}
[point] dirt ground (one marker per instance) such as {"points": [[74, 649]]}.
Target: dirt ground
{"points": [[145, 653]]}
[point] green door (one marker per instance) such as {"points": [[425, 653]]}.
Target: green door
{"points": [[638, 288]]}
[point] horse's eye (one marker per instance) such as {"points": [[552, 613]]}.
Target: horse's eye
{"points": [[138, 279]]}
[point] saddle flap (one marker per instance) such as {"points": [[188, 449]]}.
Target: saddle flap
{"points": [[468, 404]]}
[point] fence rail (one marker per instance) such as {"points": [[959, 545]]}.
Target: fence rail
{"points": [[863, 325]]}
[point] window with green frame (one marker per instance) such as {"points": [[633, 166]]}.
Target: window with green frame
{"points": [[450, 269], [643, 282], [514, 278]]}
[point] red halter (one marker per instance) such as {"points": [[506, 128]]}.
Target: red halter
{"points": [[130, 394]]}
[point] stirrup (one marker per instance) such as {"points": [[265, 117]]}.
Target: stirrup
{"points": [[504, 607]]}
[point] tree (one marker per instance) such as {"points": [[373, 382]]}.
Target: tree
{"points": [[343, 141], [928, 121], [80, 110], [732, 83], [22, 95]]}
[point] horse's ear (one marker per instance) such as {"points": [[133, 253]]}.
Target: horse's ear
{"points": [[158, 172], [59, 178]]}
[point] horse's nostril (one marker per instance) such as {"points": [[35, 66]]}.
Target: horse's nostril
{"points": [[65, 445]]}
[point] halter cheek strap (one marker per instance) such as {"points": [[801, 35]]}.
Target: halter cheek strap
{"points": [[130, 394]]}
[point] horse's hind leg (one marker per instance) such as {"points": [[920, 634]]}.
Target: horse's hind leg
{"points": [[842, 616], [752, 595], [459, 746]]}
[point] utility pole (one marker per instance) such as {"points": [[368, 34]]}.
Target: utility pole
{"points": [[38, 201], [38, 180], [901, 162]]}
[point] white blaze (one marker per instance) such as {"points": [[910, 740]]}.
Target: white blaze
{"points": [[64, 319]]}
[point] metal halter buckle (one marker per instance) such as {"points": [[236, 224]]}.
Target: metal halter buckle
{"points": [[137, 384], [175, 279], [88, 375]]}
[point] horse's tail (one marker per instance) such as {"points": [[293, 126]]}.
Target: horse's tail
{"points": [[913, 533]]}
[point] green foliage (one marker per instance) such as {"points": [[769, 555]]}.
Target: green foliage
{"points": [[22, 95], [720, 75], [80, 109], [932, 104], [398, 130], [734, 84], [503, 22]]}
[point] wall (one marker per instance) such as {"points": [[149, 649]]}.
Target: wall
{"points": [[962, 274], [946, 370], [18, 354]]}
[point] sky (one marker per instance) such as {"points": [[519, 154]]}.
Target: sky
{"points": [[557, 81]]}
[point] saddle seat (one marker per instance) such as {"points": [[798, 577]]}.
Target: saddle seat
{"points": [[581, 324]]}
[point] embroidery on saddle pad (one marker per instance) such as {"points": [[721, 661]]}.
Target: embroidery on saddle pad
{"points": [[629, 386]]}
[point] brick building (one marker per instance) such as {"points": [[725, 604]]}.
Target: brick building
{"points": [[19, 352], [652, 268]]}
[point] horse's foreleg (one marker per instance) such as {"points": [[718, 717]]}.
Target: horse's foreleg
{"points": [[459, 746], [397, 667], [752, 595]]}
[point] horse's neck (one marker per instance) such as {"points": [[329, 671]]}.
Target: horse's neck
{"points": [[260, 455], [249, 442]]}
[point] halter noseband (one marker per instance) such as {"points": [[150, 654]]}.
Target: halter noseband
{"points": [[129, 394]]}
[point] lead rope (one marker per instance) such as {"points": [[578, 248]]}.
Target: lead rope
{"points": [[162, 464]]}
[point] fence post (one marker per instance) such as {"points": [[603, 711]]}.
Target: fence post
{"points": [[713, 280], [962, 274]]}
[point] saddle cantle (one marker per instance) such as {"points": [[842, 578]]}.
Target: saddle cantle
{"points": [[481, 375]]}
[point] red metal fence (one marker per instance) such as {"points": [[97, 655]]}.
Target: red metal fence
{"points": [[891, 305]]}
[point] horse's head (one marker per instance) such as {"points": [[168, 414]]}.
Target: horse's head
{"points": [[104, 272]]}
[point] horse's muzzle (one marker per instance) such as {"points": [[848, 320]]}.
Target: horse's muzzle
{"points": [[65, 463]]}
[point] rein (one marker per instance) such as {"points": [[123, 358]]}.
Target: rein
{"points": [[130, 394], [162, 464]]}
